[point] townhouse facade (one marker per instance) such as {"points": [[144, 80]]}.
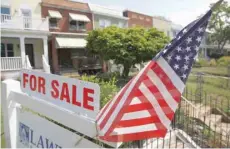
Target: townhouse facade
{"points": [[138, 19], [24, 36], [104, 17], [69, 23]]}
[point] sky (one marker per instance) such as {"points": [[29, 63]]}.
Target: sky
{"points": [[179, 11]]}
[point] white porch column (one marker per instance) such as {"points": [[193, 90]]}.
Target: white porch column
{"points": [[22, 49], [45, 48]]}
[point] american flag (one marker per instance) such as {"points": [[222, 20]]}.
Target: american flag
{"points": [[145, 106]]}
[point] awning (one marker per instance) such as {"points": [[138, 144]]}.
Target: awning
{"points": [[54, 14], [79, 17], [70, 42]]}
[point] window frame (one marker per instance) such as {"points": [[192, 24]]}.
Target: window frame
{"points": [[7, 51], [105, 22], [77, 26], [8, 7], [53, 27]]}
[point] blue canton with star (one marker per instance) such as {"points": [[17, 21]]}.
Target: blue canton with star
{"points": [[182, 51]]}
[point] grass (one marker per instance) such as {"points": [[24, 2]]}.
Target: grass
{"points": [[217, 91], [220, 71]]}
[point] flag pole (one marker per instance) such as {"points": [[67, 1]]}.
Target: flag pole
{"points": [[217, 4]]}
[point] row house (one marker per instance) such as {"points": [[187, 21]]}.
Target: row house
{"points": [[24, 36], [69, 23]]}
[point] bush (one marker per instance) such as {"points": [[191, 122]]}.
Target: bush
{"points": [[108, 75], [108, 88], [212, 62], [224, 61], [203, 63], [197, 64]]}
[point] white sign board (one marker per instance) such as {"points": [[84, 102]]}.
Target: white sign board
{"points": [[37, 132], [72, 94]]}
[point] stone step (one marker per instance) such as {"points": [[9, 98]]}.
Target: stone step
{"points": [[213, 120], [224, 128], [178, 144], [204, 111]]}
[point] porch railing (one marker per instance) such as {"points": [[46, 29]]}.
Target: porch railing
{"points": [[11, 63], [46, 66], [5, 17], [22, 22], [27, 63]]}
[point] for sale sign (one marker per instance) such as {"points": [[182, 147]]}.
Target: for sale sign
{"points": [[72, 94]]}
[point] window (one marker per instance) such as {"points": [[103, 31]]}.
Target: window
{"points": [[81, 25], [53, 23], [134, 16], [3, 51], [142, 18], [168, 33], [77, 25], [7, 50], [104, 23], [121, 24], [147, 19], [5, 10]]}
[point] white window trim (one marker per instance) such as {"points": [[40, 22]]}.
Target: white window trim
{"points": [[77, 26]]}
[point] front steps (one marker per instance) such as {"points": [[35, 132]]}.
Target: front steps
{"points": [[204, 113]]}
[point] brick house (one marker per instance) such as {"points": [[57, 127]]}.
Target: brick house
{"points": [[69, 23], [138, 19]]}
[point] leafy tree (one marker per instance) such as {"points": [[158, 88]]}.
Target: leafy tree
{"points": [[126, 46], [219, 26]]}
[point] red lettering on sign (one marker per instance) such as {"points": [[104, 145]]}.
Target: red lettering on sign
{"points": [[74, 96], [25, 79], [86, 98], [41, 85], [54, 92], [33, 83], [65, 92]]}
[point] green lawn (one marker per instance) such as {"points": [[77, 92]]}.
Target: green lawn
{"points": [[220, 71], [217, 91]]}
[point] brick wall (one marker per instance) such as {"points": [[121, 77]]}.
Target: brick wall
{"points": [[137, 19], [63, 23]]}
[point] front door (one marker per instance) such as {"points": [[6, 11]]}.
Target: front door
{"points": [[30, 53]]}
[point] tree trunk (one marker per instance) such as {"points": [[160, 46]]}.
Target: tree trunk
{"points": [[103, 64], [125, 73]]}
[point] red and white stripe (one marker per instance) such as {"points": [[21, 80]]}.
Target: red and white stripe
{"points": [[144, 107]]}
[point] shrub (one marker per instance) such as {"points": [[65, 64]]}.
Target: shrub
{"points": [[224, 61], [108, 88], [108, 75], [197, 64], [203, 63], [212, 62]]}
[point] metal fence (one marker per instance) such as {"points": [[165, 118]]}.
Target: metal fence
{"points": [[201, 121]]}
